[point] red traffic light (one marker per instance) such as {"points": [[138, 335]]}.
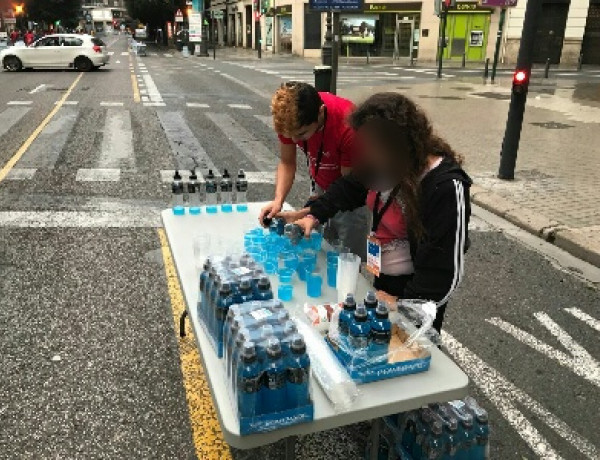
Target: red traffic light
{"points": [[520, 77]]}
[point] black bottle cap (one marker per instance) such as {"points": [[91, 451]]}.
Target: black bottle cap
{"points": [[349, 303], [298, 346], [267, 221], [241, 174], [193, 175], [210, 174], [177, 176], [360, 314], [264, 283], [225, 173], [371, 300]]}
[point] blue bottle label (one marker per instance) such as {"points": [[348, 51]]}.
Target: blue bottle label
{"points": [[275, 380], [250, 384], [298, 375], [381, 337]]}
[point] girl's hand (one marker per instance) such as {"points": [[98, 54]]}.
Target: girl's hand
{"points": [[291, 217]]}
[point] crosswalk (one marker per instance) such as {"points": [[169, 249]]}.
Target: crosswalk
{"points": [[246, 142]]}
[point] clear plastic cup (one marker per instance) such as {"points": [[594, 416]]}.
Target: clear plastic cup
{"points": [[347, 274], [285, 292]]}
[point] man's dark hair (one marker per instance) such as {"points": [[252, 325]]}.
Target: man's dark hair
{"points": [[295, 104]]}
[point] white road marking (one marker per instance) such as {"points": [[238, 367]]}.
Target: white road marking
{"points": [[111, 104], [197, 105], [168, 55], [21, 174], [583, 316], [10, 117], [47, 147], [98, 175], [37, 88], [240, 106], [117, 62], [117, 141], [153, 92], [247, 86], [187, 150], [266, 119], [19, 103], [580, 361], [110, 53], [504, 395], [80, 219], [145, 99], [125, 53], [260, 177], [154, 104], [255, 151], [68, 102]]}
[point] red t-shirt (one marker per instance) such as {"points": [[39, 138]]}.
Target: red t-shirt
{"points": [[339, 145], [393, 225]]}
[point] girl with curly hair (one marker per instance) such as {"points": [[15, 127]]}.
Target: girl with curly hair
{"points": [[418, 194]]}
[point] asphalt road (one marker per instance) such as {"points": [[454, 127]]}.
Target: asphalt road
{"points": [[91, 360]]}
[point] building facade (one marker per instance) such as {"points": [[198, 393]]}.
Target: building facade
{"points": [[567, 29]]}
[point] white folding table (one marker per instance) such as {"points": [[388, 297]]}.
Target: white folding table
{"points": [[444, 381]]}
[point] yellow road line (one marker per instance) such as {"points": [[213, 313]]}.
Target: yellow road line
{"points": [[19, 153], [134, 84], [206, 431]]}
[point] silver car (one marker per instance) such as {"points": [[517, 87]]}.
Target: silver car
{"points": [[80, 52]]}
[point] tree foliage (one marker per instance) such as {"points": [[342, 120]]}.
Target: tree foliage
{"points": [[49, 11]]}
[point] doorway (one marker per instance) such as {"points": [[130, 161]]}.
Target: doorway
{"points": [[550, 33], [590, 48], [249, 26], [403, 38]]}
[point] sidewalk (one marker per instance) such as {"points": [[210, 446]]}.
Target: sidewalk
{"points": [[556, 191]]}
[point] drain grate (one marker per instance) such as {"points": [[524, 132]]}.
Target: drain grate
{"points": [[552, 125], [490, 95]]}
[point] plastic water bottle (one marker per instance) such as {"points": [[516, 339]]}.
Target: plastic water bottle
{"points": [[236, 325], [466, 437], [481, 429], [347, 314], [193, 193], [177, 191], [298, 374], [371, 304], [210, 186], [263, 289], [451, 441], [249, 378], [202, 289], [241, 191], [245, 293], [421, 434], [434, 447], [226, 188], [274, 391], [242, 336], [409, 435], [224, 301], [381, 333], [289, 331], [212, 305], [266, 333], [360, 329]]}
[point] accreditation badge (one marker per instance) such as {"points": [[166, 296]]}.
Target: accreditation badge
{"points": [[373, 255]]}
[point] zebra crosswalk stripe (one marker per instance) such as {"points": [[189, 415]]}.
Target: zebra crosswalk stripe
{"points": [[117, 140]]}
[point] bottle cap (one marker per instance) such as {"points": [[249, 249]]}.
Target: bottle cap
{"points": [[249, 350], [349, 303], [298, 346], [436, 427], [452, 424], [225, 287], [267, 221], [225, 173], [282, 316], [246, 284], [234, 310], [242, 336], [210, 174], [277, 304], [241, 174], [360, 314], [264, 283], [273, 348], [371, 299], [177, 176], [382, 311], [237, 322], [193, 175], [267, 331]]}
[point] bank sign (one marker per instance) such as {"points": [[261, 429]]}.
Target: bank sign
{"points": [[336, 5]]}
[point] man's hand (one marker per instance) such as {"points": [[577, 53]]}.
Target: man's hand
{"points": [[292, 216], [308, 224], [270, 210]]}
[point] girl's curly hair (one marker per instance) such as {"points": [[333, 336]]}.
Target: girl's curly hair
{"points": [[405, 130]]}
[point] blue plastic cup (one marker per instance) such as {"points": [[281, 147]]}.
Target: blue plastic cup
{"points": [[285, 275], [316, 239], [285, 292], [178, 210], [227, 208], [332, 265], [270, 267], [195, 210], [288, 260], [241, 208], [212, 209], [314, 284]]}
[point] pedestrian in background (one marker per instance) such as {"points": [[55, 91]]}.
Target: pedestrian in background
{"points": [[418, 194], [317, 124]]}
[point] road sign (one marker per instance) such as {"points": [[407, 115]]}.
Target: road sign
{"points": [[195, 27], [499, 3], [336, 5], [217, 14], [179, 16]]}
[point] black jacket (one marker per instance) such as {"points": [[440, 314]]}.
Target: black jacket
{"points": [[445, 209]]}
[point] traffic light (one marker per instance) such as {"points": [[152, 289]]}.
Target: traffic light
{"points": [[57, 23], [264, 6], [520, 81]]}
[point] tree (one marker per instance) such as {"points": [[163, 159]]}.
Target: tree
{"points": [[50, 11], [154, 12]]}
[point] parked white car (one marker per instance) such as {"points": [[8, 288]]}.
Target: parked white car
{"points": [[81, 52]]}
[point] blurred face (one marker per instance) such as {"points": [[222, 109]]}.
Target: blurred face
{"points": [[379, 166]]}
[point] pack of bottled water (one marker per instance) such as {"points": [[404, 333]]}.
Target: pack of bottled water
{"points": [[375, 343], [455, 430], [266, 366], [226, 281]]}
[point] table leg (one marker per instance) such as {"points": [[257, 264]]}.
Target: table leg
{"points": [[373, 443], [182, 323], [290, 448]]}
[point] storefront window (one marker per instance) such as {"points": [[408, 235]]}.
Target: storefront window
{"points": [[285, 34]]}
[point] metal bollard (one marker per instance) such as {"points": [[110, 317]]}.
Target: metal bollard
{"points": [[580, 61], [464, 60], [547, 68], [412, 59], [486, 70]]}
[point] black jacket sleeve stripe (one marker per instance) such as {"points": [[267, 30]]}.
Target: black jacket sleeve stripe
{"points": [[459, 241]]}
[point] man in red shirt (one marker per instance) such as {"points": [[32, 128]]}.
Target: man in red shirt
{"points": [[29, 37], [316, 122]]}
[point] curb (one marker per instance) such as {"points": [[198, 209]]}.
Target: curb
{"points": [[574, 241]]}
